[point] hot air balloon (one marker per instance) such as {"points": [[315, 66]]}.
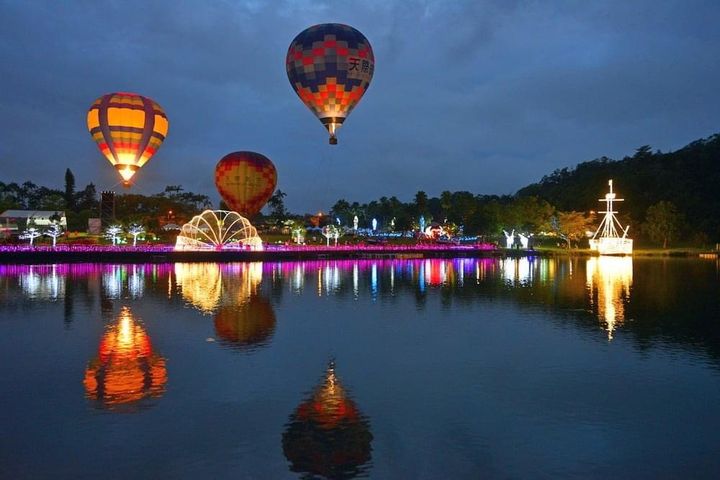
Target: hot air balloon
{"points": [[245, 180], [128, 129], [327, 435], [330, 67]]}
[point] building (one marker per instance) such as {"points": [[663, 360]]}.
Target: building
{"points": [[17, 220]]}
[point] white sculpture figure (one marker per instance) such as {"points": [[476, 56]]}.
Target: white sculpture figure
{"points": [[374, 224], [422, 223], [524, 240], [355, 222], [509, 238]]}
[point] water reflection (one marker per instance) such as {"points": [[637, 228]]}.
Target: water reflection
{"points": [[654, 292], [243, 318], [609, 280], [126, 371], [200, 284], [120, 279], [519, 271], [327, 435], [39, 283], [247, 325]]}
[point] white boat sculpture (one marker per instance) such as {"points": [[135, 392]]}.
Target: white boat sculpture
{"points": [[608, 239]]}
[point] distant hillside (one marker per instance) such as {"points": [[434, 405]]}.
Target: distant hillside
{"points": [[689, 178]]}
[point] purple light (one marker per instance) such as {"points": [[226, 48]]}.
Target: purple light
{"points": [[270, 248]]}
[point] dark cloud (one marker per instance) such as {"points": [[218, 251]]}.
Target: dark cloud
{"points": [[485, 96]]}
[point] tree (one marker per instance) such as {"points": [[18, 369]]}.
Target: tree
{"points": [[113, 233], [445, 203], [298, 231], [70, 203], [87, 198], [135, 229], [30, 233], [662, 222], [54, 231], [331, 231], [570, 226], [421, 203], [277, 206], [340, 210]]}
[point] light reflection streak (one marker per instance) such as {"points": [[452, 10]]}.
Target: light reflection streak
{"points": [[609, 280]]}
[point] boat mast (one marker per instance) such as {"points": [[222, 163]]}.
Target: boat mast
{"points": [[608, 223]]}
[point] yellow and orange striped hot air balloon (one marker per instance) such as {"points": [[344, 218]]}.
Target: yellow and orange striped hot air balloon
{"points": [[128, 129], [246, 181]]}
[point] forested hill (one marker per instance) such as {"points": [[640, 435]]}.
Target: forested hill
{"points": [[689, 178]]}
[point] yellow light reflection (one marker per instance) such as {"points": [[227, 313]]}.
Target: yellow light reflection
{"points": [[200, 284], [609, 280], [207, 287]]}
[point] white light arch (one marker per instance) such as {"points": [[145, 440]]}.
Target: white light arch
{"points": [[218, 230]]}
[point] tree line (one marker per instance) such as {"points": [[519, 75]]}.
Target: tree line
{"points": [[79, 206], [670, 199], [670, 196]]}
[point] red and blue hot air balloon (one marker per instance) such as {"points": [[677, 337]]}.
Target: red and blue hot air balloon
{"points": [[330, 67]]}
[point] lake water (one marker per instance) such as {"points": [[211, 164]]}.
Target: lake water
{"points": [[465, 368]]}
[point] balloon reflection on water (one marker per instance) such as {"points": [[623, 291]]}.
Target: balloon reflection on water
{"points": [[243, 318], [248, 325], [327, 434], [126, 370], [609, 280]]}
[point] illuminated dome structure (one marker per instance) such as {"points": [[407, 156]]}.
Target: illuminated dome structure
{"points": [[218, 230], [126, 371], [327, 435]]}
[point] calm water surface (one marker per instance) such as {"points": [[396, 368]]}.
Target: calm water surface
{"points": [[597, 368]]}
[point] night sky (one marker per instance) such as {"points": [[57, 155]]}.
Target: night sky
{"points": [[478, 95]]}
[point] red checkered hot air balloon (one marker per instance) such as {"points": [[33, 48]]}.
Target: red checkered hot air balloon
{"points": [[128, 129], [330, 67], [245, 180]]}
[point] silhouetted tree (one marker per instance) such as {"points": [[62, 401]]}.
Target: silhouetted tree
{"points": [[277, 206], [662, 222], [70, 203]]}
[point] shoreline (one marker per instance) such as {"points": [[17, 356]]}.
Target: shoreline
{"points": [[164, 254]]}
